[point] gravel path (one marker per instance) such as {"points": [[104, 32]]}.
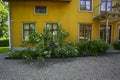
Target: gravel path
{"points": [[105, 67]]}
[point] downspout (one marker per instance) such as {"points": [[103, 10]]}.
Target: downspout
{"points": [[9, 28]]}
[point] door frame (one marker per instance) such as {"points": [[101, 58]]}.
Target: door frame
{"points": [[110, 31]]}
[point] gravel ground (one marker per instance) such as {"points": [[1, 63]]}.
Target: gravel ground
{"points": [[106, 67]]}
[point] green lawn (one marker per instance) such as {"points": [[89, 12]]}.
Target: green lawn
{"points": [[4, 49]]}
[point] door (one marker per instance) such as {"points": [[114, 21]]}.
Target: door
{"points": [[105, 6], [103, 33]]}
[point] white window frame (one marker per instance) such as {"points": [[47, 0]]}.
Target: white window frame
{"points": [[40, 13], [100, 6], [85, 10], [23, 28], [111, 31], [91, 30]]}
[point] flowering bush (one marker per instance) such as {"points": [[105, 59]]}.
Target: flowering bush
{"points": [[68, 50], [47, 45]]}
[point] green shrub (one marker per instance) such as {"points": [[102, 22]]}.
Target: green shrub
{"points": [[43, 50], [99, 45], [47, 45], [4, 43], [25, 54], [117, 45], [16, 54], [29, 54], [82, 48], [68, 50], [92, 47]]}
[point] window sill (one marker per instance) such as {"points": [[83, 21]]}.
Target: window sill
{"points": [[85, 11], [40, 13]]}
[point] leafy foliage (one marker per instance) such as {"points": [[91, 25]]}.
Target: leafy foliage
{"points": [[68, 50], [4, 42], [44, 45], [16, 54], [93, 47], [117, 45], [3, 20], [47, 45]]}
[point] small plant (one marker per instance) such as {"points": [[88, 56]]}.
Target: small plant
{"points": [[16, 54], [117, 45], [29, 54], [82, 48]]}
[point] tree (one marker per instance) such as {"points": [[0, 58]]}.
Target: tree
{"points": [[3, 20]]}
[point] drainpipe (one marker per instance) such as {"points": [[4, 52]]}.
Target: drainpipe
{"points": [[9, 28], [107, 29]]}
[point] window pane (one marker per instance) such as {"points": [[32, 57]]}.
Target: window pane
{"points": [[82, 8], [26, 35], [49, 26], [87, 38], [55, 33], [82, 27], [87, 2], [40, 9], [102, 35], [81, 35], [88, 27], [109, 6], [55, 26], [88, 8], [103, 6], [82, 3], [26, 26], [32, 26]]}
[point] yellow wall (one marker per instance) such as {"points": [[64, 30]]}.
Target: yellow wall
{"points": [[65, 13]]}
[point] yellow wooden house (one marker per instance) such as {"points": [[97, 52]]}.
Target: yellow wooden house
{"points": [[84, 19]]}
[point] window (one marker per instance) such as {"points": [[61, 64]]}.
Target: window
{"points": [[40, 9], [53, 28], [86, 5], [28, 28], [106, 5], [119, 33], [85, 31]]}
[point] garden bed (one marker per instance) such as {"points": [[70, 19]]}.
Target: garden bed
{"points": [[53, 57]]}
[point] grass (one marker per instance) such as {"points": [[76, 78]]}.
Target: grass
{"points": [[4, 49]]}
